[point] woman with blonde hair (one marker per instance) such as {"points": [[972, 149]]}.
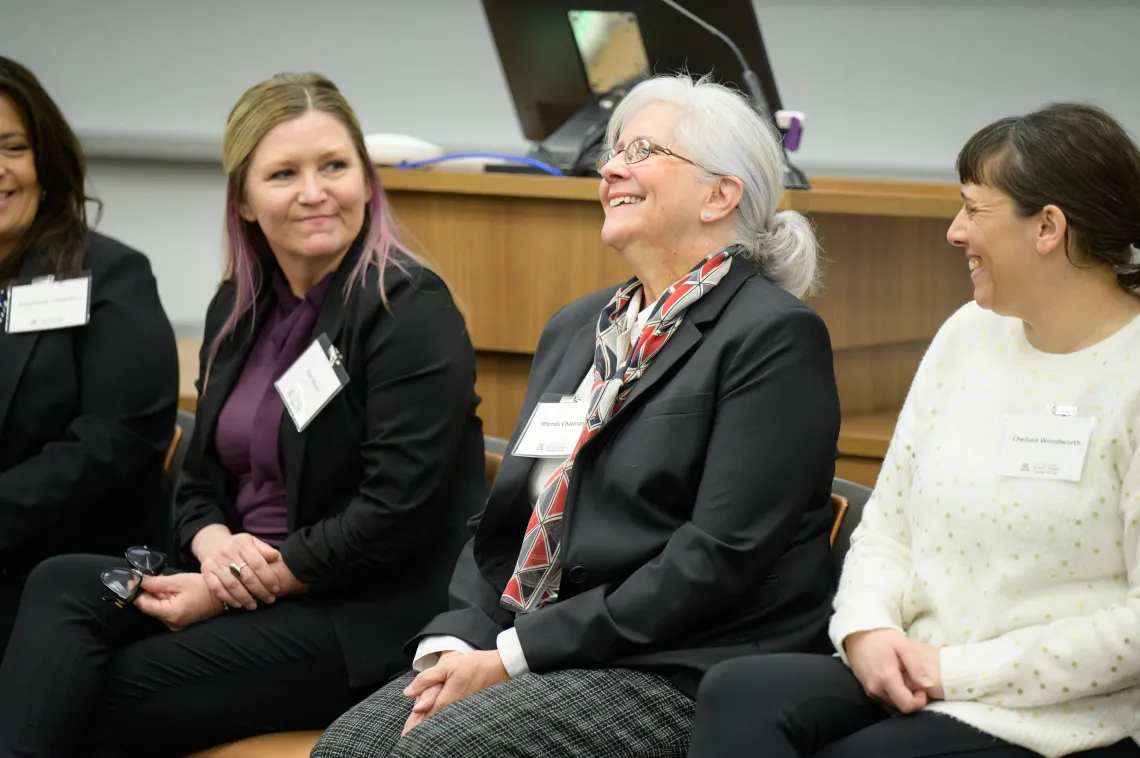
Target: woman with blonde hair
{"points": [[335, 440]]}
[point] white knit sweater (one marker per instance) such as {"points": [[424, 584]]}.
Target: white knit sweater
{"points": [[1030, 587]]}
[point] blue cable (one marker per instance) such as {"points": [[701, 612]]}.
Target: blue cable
{"points": [[513, 158]]}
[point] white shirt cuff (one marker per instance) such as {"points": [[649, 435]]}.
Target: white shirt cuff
{"points": [[427, 652], [514, 661]]}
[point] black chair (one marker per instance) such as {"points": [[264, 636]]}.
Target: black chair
{"points": [[496, 445], [855, 496]]}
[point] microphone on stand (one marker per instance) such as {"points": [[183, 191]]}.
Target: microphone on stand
{"points": [[794, 178]]}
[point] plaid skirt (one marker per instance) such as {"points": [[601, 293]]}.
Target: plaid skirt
{"points": [[576, 713]]}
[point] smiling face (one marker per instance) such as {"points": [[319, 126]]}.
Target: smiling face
{"points": [[1002, 249], [306, 188], [657, 201], [19, 184]]}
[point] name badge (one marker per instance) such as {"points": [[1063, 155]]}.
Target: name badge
{"points": [[553, 429], [1038, 446], [48, 303], [312, 381]]}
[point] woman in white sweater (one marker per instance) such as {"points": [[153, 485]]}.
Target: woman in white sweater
{"points": [[990, 603]]}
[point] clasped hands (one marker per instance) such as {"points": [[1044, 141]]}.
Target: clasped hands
{"points": [[179, 600], [452, 678], [263, 577], [901, 674]]}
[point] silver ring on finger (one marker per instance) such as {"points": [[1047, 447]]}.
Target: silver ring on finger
{"points": [[235, 569]]}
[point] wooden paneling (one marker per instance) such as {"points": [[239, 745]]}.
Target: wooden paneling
{"points": [[864, 198], [876, 378], [501, 383], [512, 261], [188, 373], [867, 435], [887, 280], [516, 248], [855, 469]]}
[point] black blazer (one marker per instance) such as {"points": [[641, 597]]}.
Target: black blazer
{"points": [[86, 416], [384, 478], [696, 526]]}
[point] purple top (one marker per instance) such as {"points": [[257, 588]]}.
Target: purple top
{"points": [[250, 421]]}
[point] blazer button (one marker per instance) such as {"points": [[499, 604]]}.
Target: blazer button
{"points": [[578, 574]]}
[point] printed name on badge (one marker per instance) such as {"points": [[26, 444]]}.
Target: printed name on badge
{"points": [[48, 304], [553, 429], [1045, 446], [312, 381]]}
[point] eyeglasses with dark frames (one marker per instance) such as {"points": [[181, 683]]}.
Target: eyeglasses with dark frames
{"points": [[126, 582], [639, 150]]}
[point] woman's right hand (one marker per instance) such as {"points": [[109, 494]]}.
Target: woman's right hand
{"points": [[216, 548], [177, 600], [890, 668]]}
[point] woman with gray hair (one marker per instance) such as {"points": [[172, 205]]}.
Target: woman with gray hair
{"points": [[666, 502]]}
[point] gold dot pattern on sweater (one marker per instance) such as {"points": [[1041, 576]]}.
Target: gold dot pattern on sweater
{"points": [[1049, 594]]}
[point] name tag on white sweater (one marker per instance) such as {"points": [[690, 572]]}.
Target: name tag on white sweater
{"points": [[1038, 446]]}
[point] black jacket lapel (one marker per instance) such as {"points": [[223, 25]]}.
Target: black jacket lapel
{"points": [[577, 359], [330, 321], [17, 348], [689, 332]]}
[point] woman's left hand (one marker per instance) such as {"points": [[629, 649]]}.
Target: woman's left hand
{"points": [[178, 600], [456, 677]]}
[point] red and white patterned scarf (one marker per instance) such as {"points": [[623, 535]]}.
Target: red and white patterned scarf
{"points": [[538, 572]]}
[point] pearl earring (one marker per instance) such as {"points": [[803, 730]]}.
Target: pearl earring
{"points": [[708, 215]]}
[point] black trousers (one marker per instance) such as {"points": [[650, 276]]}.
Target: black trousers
{"points": [[796, 706], [83, 677]]}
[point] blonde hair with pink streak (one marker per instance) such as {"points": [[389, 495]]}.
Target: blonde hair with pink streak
{"points": [[262, 107]]}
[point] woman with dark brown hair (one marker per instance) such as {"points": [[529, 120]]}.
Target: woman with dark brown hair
{"points": [[317, 520], [989, 605], [88, 368]]}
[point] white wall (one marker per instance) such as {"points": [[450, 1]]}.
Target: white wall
{"points": [[891, 87], [173, 213]]}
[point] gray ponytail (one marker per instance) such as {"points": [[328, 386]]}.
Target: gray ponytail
{"points": [[787, 252]]}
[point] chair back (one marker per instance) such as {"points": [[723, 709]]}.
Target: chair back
{"points": [[492, 462], [162, 528], [494, 448], [848, 499], [839, 506], [496, 445], [172, 451]]}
